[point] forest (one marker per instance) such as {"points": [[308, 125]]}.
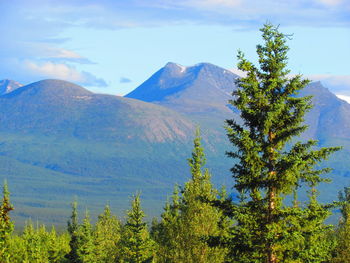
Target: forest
{"points": [[262, 220]]}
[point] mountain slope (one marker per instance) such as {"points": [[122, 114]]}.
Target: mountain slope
{"points": [[328, 121], [330, 116], [198, 89], [202, 92], [61, 108], [58, 140]]}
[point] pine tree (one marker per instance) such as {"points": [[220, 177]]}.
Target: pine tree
{"points": [[57, 246], [107, 236], [167, 232], [317, 245], [135, 244], [35, 243], [6, 225], [86, 244], [267, 229], [191, 218], [342, 251], [73, 230]]}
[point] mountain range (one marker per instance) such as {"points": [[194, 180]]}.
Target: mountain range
{"points": [[59, 140]]}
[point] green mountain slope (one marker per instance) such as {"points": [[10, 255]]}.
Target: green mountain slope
{"points": [[59, 140], [208, 87]]}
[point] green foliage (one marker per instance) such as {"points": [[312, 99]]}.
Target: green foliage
{"points": [[36, 245], [191, 219], [267, 229], [73, 230], [86, 245], [57, 246], [200, 224], [135, 244], [342, 233], [6, 225], [107, 236]]}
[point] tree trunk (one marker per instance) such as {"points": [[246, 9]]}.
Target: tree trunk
{"points": [[272, 258], [272, 206]]}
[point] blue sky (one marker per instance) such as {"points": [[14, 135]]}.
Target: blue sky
{"points": [[113, 46]]}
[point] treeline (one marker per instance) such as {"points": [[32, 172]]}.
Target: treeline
{"points": [[181, 235], [201, 224], [193, 228]]}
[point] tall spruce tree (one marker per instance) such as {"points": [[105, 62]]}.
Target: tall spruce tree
{"points": [[190, 219], [135, 244], [86, 244], [267, 229], [73, 230], [107, 236], [342, 233], [6, 225]]}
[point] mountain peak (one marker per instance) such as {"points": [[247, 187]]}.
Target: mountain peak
{"points": [[54, 87], [177, 82], [8, 85]]}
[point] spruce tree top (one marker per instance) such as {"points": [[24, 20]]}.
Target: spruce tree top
{"points": [[267, 229], [272, 115]]}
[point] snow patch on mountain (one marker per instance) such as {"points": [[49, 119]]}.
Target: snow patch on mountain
{"points": [[343, 97]]}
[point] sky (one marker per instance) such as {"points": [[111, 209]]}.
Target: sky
{"points": [[112, 46]]}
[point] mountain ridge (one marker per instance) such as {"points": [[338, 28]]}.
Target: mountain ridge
{"points": [[59, 140]]}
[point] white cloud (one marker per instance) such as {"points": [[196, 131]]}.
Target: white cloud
{"points": [[62, 71], [344, 97], [62, 53], [238, 72], [338, 84], [335, 80], [53, 70]]}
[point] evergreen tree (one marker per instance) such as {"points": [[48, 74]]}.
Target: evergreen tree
{"points": [[86, 244], [267, 230], [316, 246], [57, 246], [191, 218], [135, 244], [35, 243], [6, 225], [107, 236], [73, 230], [167, 232], [342, 251]]}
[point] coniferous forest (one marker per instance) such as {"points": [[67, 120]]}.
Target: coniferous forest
{"points": [[262, 220]]}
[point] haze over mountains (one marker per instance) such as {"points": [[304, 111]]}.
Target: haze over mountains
{"points": [[59, 140]]}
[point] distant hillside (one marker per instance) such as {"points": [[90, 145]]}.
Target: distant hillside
{"points": [[201, 92], [54, 107], [59, 140], [330, 116]]}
